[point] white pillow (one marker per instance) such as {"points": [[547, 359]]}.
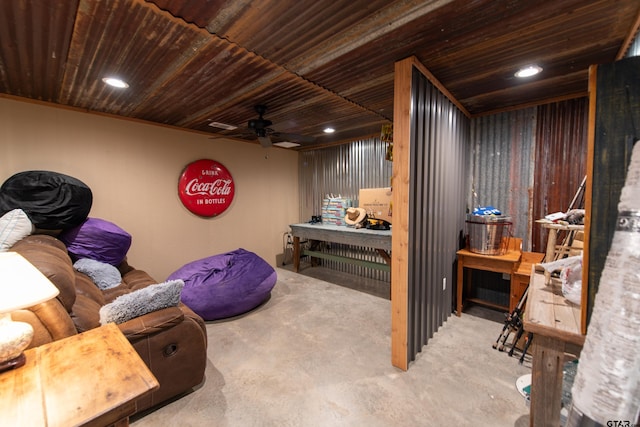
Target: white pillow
{"points": [[143, 301], [15, 225]]}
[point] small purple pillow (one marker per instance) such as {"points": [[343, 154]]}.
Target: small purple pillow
{"points": [[98, 240]]}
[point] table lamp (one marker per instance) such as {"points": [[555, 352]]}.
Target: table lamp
{"points": [[21, 285]]}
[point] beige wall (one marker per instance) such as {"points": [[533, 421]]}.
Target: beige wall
{"points": [[133, 170]]}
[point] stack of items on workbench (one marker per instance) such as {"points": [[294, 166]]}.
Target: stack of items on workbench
{"points": [[334, 209]]}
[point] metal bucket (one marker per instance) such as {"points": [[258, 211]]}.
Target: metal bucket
{"points": [[488, 234]]}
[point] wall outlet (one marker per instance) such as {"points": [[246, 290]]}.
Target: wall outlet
{"points": [[444, 283]]}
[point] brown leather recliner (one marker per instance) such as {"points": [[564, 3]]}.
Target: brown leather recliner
{"points": [[172, 341]]}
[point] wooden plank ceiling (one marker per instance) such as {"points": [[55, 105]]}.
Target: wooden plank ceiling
{"points": [[313, 63]]}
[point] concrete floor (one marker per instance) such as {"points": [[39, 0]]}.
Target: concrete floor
{"points": [[318, 354]]}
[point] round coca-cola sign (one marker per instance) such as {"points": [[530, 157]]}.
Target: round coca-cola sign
{"points": [[206, 188]]}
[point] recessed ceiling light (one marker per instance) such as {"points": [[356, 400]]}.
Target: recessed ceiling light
{"points": [[115, 82], [528, 71], [329, 130]]}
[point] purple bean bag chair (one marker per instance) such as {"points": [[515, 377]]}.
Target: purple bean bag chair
{"points": [[225, 285]]}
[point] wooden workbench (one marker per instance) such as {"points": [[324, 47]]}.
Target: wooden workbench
{"points": [[377, 239], [555, 324]]}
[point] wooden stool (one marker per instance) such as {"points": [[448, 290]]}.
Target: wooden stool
{"points": [[522, 276]]}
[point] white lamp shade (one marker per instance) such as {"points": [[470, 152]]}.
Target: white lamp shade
{"points": [[22, 284]]}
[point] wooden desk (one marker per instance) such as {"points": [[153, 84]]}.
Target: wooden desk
{"points": [[90, 379], [377, 239], [555, 324], [507, 263]]}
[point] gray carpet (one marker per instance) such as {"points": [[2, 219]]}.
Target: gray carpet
{"points": [[318, 354]]}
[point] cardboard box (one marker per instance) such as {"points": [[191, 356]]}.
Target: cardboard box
{"points": [[377, 202]]}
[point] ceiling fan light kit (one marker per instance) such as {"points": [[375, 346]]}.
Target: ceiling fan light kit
{"points": [[261, 128], [286, 144]]}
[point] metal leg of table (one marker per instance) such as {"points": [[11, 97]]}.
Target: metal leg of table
{"points": [[296, 254]]}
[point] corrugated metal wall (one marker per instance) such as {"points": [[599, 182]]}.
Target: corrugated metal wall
{"points": [[344, 170], [529, 163], [561, 157], [437, 188], [502, 166]]}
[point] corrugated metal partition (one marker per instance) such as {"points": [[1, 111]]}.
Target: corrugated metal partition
{"points": [[503, 166], [439, 147], [344, 170]]}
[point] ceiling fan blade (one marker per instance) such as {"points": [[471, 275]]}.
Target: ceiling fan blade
{"points": [[265, 141], [294, 137]]}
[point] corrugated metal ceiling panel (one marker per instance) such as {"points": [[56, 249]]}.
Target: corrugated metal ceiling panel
{"points": [[311, 62], [34, 47]]}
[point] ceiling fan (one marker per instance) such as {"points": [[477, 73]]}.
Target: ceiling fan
{"points": [[263, 132]]}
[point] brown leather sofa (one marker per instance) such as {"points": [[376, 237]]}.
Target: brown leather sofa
{"points": [[172, 341]]}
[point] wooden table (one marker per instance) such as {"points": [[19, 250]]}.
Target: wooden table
{"points": [[91, 379], [555, 324], [506, 263], [377, 239]]}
